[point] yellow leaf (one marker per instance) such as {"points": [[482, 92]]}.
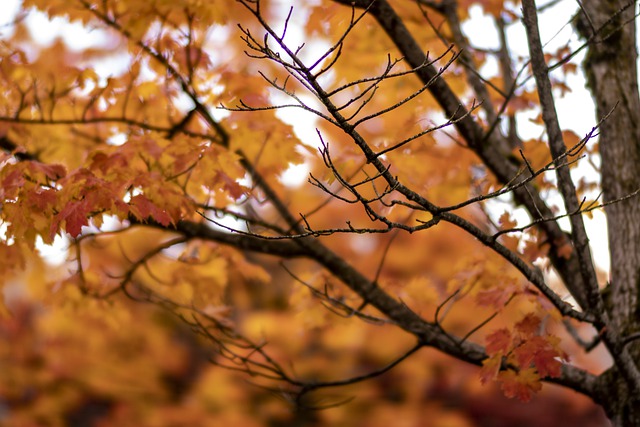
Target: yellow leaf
{"points": [[147, 89]]}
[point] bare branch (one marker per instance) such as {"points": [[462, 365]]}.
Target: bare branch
{"points": [[623, 359]]}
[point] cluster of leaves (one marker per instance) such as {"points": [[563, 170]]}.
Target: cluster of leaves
{"points": [[166, 182], [534, 356]]}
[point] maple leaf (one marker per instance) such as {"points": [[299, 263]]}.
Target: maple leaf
{"points": [[534, 250], [490, 368], [495, 297], [536, 152], [571, 139], [42, 199], [539, 352], [12, 257], [75, 215], [51, 171], [498, 341], [103, 162], [235, 190], [521, 385], [510, 242], [529, 325], [493, 7], [523, 101], [12, 182], [151, 135], [144, 209], [506, 221]]}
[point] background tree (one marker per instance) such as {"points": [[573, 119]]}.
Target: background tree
{"points": [[202, 282]]}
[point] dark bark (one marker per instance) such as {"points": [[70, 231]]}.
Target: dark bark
{"points": [[611, 70]]}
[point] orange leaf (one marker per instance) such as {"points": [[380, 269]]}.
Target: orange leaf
{"points": [[498, 341], [534, 250], [495, 297], [490, 368], [571, 139], [75, 215], [539, 352], [529, 326], [506, 221], [520, 385], [53, 171], [144, 209]]}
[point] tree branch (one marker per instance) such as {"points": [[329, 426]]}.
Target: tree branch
{"points": [[486, 148], [427, 333], [621, 356]]}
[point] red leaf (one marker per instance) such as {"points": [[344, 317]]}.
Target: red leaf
{"points": [[520, 384], [539, 352], [105, 162], [50, 171], [496, 297], [41, 198], [144, 209], [565, 251], [75, 215], [498, 341], [235, 190], [529, 326], [13, 181]]}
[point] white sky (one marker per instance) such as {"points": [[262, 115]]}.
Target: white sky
{"points": [[576, 111]]}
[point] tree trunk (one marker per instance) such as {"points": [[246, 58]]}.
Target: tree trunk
{"points": [[610, 67]]}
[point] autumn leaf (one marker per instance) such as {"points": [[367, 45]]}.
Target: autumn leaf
{"points": [[506, 221], [498, 342], [208, 278], [235, 190], [570, 138], [75, 216], [565, 249], [534, 250], [495, 297], [537, 153], [12, 182], [144, 209], [521, 385], [539, 352], [490, 368], [52, 172]]}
